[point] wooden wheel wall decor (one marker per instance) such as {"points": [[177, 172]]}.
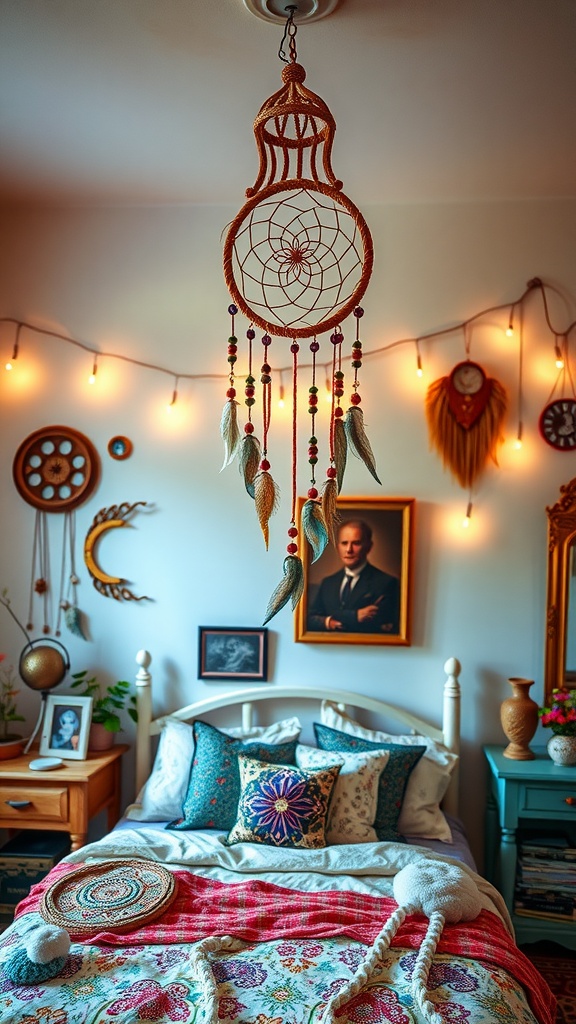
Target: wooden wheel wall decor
{"points": [[297, 261], [55, 470]]}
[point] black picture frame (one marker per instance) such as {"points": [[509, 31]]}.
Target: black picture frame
{"points": [[232, 652], [391, 522]]}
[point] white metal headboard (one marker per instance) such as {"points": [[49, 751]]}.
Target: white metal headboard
{"points": [[147, 727]]}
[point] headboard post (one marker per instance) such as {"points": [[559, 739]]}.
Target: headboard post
{"points": [[451, 728], [144, 708]]}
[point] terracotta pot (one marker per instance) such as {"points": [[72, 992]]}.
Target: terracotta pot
{"points": [[519, 718], [99, 738], [11, 747], [562, 749]]}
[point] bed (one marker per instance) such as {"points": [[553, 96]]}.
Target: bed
{"points": [[266, 877]]}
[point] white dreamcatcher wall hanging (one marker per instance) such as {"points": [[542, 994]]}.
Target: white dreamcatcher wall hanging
{"points": [[297, 261]]}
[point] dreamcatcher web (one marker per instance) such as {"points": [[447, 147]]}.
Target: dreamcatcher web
{"points": [[297, 254]]}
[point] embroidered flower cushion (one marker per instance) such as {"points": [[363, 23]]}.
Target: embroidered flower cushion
{"points": [[282, 806], [393, 780], [214, 788], [355, 797]]}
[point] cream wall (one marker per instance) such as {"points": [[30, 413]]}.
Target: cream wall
{"points": [[147, 283]]}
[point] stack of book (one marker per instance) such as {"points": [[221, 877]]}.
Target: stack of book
{"points": [[546, 877]]}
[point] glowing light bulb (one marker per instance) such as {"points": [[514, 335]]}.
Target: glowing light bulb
{"points": [[418, 366], [9, 365], [328, 395], [281, 402], [467, 517], [173, 401], [510, 330], [518, 441], [559, 359], [92, 377]]}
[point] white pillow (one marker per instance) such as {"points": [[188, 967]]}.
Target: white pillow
{"points": [[420, 815], [162, 796], [355, 795]]}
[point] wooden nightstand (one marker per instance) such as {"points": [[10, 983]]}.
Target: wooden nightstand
{"points": [[528, 794], [64, 799]]}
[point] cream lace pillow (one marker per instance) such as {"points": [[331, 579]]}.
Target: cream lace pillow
{"points": [[355, 796]]}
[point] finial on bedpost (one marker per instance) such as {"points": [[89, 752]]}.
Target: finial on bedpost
{"points": [[451, 728], [144, 709]]}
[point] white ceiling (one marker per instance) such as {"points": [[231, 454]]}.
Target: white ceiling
{"points": [[152, 101]]}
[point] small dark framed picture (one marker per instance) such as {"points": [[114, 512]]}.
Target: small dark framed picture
{"points": [[232, 653], [66, 727]]}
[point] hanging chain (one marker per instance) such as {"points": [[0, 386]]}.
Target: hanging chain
{"points": [[290, 34]]}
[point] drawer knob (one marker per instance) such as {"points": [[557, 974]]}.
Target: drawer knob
{"points": [[571, 801], [18, 805]]}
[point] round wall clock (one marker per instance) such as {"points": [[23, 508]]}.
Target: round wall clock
{"points": [[120, 447], [557, 424]]}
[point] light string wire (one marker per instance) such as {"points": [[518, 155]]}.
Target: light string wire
{"points": [[533, 285]]}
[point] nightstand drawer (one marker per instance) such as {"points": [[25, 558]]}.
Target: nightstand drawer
{"points": [[33, 802], [550, 799]]}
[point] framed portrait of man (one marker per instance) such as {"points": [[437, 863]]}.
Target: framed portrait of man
{"points": [[360, 591]]}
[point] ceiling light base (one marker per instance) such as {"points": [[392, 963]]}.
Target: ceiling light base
{"points": [[275, 10]]}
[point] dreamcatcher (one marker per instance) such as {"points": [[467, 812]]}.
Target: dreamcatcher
{"points": [[297, 260], [55, 470]]}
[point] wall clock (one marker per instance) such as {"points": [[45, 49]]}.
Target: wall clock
{"points": [[557, 424]]}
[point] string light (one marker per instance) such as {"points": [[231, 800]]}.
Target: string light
{"points": [[92, 377], [174, 398], [281, 402], [467, 517], [559, 357], [510, 328], [418, 359], [518, 441], [10, 363]]}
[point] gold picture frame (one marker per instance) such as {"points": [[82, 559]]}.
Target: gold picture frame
{"points": [[381, 607]]}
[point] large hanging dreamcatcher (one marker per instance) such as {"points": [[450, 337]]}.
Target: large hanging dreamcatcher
{"points": [[297, 260], [55, 470]]}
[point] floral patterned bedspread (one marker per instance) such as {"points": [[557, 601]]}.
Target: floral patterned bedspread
{"points": [[281, 981]]}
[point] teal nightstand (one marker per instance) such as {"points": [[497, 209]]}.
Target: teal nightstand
{"points": [[526, 794]]}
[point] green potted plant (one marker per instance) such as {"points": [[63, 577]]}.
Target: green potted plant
{"points": [[11, 743], [108, 702]]}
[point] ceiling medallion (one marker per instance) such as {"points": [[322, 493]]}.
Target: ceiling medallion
{"points": [[277, 10]]}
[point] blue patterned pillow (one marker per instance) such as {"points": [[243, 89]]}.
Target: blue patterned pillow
{"points": [[214, 786], [393, 780], [283, 806]]}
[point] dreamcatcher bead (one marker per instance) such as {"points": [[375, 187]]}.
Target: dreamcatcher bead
{"points": [[312, 493], [248, 428], [355, 399], [331, 472], [356, 364], [266, 340], [339, 375], [291, 549], [266, 368], [232, 309], [250, 334], [293, 532], [41, 586], [312, 399], [266, 378], [249, 391], [313, 449], [231, 393], [250, 379], [265, 465], [358, 312], [338, 411], [29, 625], [250, 401], [314, 347], [232, 359], [337, 338], [46, 629], [74, 579], [294, 348]]}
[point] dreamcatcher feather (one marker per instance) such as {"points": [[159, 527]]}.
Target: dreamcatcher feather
{"points": [[229, 432], [267, 497], [340, 452], [358, 439], [330, 512], [291, 587], [249, 460], [314, 527], [465, 426]]}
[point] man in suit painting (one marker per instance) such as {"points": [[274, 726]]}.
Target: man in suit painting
{"points": [[359, 598]]}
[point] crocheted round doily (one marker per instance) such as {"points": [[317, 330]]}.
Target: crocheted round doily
{"points": [[118, 896]]}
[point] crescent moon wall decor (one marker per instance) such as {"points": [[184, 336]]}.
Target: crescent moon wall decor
{"points": [[111, 518]]}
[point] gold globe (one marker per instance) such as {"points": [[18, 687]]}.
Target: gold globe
{"points": [[42, 666]]}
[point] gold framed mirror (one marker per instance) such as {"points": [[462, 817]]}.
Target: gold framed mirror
{"points": [[560, 653]]}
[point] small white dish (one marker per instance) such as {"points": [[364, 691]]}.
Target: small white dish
{"points": [[46, 764]]}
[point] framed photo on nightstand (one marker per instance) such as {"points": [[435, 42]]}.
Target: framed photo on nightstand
{"points": [[66, 727]]}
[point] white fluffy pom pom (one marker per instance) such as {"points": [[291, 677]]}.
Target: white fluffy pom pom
{"points": [[47, 943], [435, 886]]}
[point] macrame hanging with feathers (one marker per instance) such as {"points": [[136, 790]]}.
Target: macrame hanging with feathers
{"points": [[297, 260], [465, 413]]}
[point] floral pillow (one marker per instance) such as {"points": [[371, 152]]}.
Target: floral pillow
{"points": [[282, 806], [393, 780], [355, 797], [214, 787], [421, 814]]}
